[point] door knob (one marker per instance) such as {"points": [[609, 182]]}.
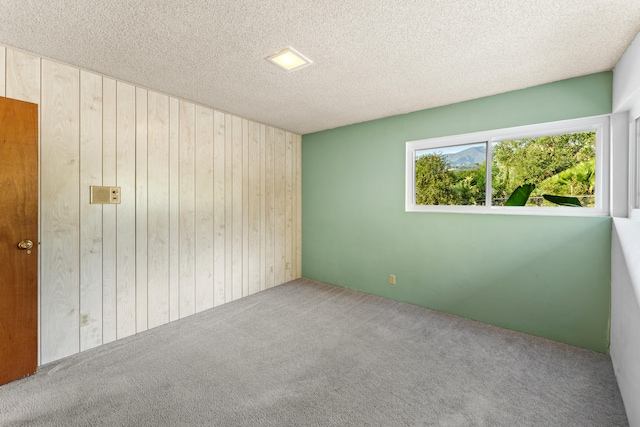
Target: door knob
{"points": [[25, 244]]}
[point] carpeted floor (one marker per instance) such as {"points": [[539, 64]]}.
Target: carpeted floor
{"points": [[310, 354]]}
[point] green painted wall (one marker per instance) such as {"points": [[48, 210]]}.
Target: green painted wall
{"points": [[547, 276]]}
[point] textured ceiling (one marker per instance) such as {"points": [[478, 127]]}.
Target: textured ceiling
{"points": [[371, 58]]}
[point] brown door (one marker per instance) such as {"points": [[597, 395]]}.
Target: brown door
{"points": [[18, 231]]}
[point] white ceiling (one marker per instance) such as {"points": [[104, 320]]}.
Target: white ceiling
{"points": [[371, 58]]}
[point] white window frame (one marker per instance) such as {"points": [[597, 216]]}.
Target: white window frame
{"points": [[599, 124], [634, 163]]}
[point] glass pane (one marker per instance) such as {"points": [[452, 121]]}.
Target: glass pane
{"points": [[561, 169], [453, 175], [637, 142]]}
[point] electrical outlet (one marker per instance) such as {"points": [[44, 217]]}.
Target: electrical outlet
{"points": [[392, 279], [84, 319]]}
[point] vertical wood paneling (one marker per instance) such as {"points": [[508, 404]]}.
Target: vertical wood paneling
{"points": [[187, 208], [141, 210], [288, 214], [294, 209], [263, 205], [204, 208], [23, 76], [210, 205], [126, 210], [90, 215], [174, 210], [219, 208], [3, 73], [109, 162], [228, 205], [245, 208], [158, 209], [254, 196], [270, 213], [280, 206], [237, 208], [298, 201], [60, 216]]}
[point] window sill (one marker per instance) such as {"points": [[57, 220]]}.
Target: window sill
{"points": [[512, 210]]}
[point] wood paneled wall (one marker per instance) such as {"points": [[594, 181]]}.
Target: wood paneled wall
{"points": [[209, 213]]}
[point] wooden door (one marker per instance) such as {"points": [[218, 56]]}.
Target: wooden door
{"points": [[18, 227]]}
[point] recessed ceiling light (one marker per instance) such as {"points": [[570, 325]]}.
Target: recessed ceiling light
{"points": [[289, 59]]}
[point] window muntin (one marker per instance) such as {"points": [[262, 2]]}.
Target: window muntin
{"points": [[567, 158]]}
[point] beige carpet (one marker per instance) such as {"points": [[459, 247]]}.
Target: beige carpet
{"points": [[310, 354]]}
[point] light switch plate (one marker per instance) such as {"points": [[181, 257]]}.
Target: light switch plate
{"points": [[105, 195]]}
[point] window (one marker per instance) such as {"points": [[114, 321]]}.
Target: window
{"points": [[634, 162], [552, 168]]}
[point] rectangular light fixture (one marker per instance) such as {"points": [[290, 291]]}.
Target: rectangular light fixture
{"points": [[289, 59]]}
